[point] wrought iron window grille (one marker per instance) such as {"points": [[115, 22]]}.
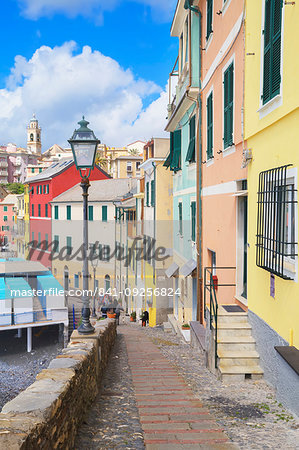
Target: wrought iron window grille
{"points": [[276, 243]]}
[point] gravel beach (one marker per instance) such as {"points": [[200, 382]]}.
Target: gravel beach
{"points": [[18, 368]]}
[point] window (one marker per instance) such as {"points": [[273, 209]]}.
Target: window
{"points": [[32, 170], [5, 228], [276, 244], [210, 126], [68, 212], [4, 208], [191, 148], [180, 218], [46, 210], [272, 49], [193, 221], [104, 213], [153, 193], [69, 245], [32, 210], [90, 212], [228, 83], [39, 210], [168, 160], [40, 170], [175, 142], [56, 243], [56, 212], [76, 280], [104, 252], [47, 189], [44, 188], [138, 165], [38, 239], [5, 218], [209, 18], [129, 167], [147, 194]]}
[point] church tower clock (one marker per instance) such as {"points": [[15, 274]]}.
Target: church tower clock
{"points": [[34, 136]]}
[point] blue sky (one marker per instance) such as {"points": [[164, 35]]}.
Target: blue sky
{"points": [[50, 36]]}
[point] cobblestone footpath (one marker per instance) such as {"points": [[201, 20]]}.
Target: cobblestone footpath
{"points": [[249, 412], [171, 417], [113, 421]]}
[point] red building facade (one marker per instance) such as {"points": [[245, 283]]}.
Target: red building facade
{"points": [[55, 180]]}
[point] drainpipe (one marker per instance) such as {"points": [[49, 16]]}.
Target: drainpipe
{"points": [[154, 262], [200, 306]]}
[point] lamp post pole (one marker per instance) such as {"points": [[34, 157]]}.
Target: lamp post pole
{"points": [[94, 262], [85, 327], [84, 146]]}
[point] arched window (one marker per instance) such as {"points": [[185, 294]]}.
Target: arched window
{"points": [[31, 137], [107, 282], [37, 137]]}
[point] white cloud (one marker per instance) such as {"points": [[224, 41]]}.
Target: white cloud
{"points": [[60, 84], [34, 9]]}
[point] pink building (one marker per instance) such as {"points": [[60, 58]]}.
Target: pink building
{"points": [[13, 163], [8, 210], [224, 182]]}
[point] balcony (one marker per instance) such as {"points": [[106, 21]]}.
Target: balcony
{"points": [[3, 164]]}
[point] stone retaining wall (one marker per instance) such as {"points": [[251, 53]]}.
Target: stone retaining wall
{"points": [[48, 413]]}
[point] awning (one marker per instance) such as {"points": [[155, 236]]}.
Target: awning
{"points": [[188, 268], [171, 271]]}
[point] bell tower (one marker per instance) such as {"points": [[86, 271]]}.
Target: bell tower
{"points": [[34, 136]]}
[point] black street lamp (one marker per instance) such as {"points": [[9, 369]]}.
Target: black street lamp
{"points": [[84, 147]]}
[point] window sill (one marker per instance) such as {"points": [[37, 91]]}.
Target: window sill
{"points": [[210, 162], [228, 151], [270, 106], [208, 41], [225, 6]]}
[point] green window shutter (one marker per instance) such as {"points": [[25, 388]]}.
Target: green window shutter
{"points": [[228, 106], [5, 218], [272, 49], [46, 210], [153, 193], [5, 208], [180, 218], [32, 170], [210, 126], [176, 160], [147, 193], [104, 213], [56, 242], [32, 208], [69, 245], [68, 212], [90, 213], [193, 221], [39, 210], [168, 160], [191, 148], [209, 17], [32, 236], [56, 212]]}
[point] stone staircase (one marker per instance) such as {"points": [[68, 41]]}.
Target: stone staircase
{"points": [[236, 348]]}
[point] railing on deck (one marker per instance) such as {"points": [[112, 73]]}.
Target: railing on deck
{"points": [[26, 317], [210, 286]]}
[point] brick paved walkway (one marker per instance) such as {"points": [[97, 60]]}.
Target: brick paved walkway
{"points": [[171, 417]]}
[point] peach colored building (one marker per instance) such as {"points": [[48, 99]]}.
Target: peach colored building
{"points": [[224, 185]]}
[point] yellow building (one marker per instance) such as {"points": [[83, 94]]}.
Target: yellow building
{"points": [[157, 231], [271, 129]]}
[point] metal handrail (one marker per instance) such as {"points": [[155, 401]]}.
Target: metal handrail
{"points": [[213, 302]]}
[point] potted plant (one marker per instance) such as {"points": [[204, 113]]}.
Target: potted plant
{"points": [[186, 326], [133, 316]]}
